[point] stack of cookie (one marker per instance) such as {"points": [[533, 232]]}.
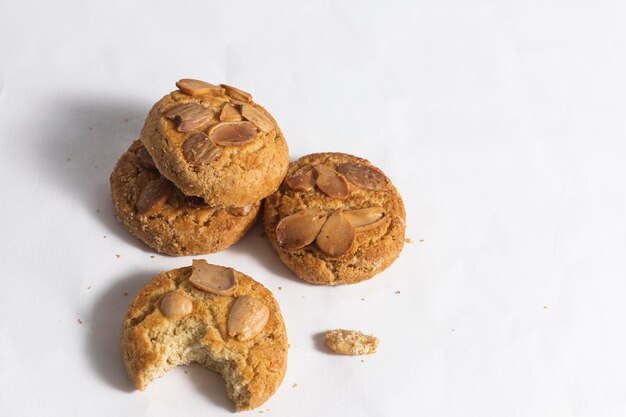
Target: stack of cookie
{"points": [[192, 183]]}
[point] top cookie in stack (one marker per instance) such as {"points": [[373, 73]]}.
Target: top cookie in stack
{"points": [[214, 142]]}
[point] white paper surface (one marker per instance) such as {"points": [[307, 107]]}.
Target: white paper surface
{"points": [[501, 123]]}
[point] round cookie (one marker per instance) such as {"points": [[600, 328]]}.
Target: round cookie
{"points": [[216, 143], [157, 213], [336, 219], [176, 319]]}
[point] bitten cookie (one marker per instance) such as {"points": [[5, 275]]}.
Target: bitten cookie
{"points": [[216, 143], [214, 316], [336, 219], [157, 213]]}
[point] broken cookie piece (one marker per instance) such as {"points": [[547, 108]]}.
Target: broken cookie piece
{"points": [[351, 342]]}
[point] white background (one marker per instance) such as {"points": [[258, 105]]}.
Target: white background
{"points": [[502, 124]]}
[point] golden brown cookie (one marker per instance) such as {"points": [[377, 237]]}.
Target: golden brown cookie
{"points": [[336, 219], [178, 319], [157, 213], [216, 143]]}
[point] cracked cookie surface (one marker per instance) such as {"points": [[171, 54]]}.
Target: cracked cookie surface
{"points": [[357, 220], [166, 220], [171, 322], [251, 155]]}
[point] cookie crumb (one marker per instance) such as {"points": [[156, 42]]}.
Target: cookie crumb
{"points": [[118, 256], [104, 236], [362, 299], [294, 386], [125, 294], [89, 287], [280, 288], [421, 240], [545, 307], [351, 342], [362, 360], [79, 321], [261, 411], [152, 256], [396, 292], [408, 240]]}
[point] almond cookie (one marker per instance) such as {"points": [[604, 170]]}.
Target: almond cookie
{"points": [[216, 143], [211, 315], [336, 219], [159, 214]]}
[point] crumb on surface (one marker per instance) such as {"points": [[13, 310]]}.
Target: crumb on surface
{"points": [[396, 292], [152, 256], [125, 294], [545, 307], [79, 321], [89, 287], [362, 299], [104, 236], [408, 240], [280, 288], [118, 256], [294, 386], [422, 240], [351, 342]]}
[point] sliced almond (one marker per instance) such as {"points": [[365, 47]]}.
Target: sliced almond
{"points": [[196, 202], [301, 182], [176, 198], [236, 93], [257, 117], [300, 229], [197, 87], [337, 235], [232, 133], [330, 183], [154, 195], [367, 218], [247, 318], [175, 306], [240, 211], [212, 278], [145, 160], [199, 149], [230, 114], [189, 116], [363, 176]]}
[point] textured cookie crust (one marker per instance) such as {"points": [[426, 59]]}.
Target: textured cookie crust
{"points": [[182, 230], [372, 251], [240, 175], [152, 344]]}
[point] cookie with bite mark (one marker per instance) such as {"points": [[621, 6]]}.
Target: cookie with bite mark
{"points": [[211, 315]]}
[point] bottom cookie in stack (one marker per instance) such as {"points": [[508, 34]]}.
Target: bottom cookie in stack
{"points": [[160, 215]]}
